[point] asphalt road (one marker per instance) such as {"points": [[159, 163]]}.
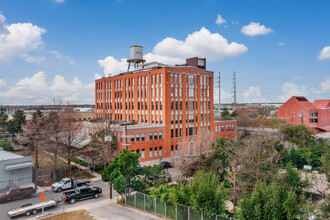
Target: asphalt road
{"points": [[4, 208]]}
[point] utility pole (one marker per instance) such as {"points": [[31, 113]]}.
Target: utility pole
{"points": [[219, 95], [302, 116], [234, 89], [110, 156], [292, 115]]}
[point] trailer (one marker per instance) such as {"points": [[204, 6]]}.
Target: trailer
{"points": [[32, 209]]}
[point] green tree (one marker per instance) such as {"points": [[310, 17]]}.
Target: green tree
{"points": [[269, 201], [298, 134], [326, 160], [225, 115], [153, 176], [3, 121], [234, 113], [15, 124], [207, 194], [123, 172]]}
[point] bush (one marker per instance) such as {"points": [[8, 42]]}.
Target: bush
{"points": [[80, 162], [6, 145]]}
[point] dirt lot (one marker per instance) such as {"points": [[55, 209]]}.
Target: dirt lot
{"points": [[75, 215]]}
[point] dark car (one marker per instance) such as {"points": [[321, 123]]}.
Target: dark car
{"points": [[16, 193], [166, 164], [82, 193]]}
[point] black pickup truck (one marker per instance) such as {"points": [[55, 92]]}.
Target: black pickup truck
{"points": [[82, 193]]}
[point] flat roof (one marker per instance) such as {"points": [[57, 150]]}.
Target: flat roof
{"points": [[4, 155]]}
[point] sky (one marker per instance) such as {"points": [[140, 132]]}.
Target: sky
{"points": [[57, 48]]}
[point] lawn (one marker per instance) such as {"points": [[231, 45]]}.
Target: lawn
{"points": [[75, 215]]}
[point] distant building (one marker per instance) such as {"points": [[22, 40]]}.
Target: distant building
{"points": [[171, 106], [15, 170], [298, 110]]}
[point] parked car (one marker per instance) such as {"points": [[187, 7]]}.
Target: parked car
{"points": [[82, 193], [166, 164], [68, 183], [16, 193]]}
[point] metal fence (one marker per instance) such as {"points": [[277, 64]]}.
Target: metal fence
{"points": [[165, 209]]}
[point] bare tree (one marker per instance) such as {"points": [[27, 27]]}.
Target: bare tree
{"points": [[54, 129], [104, 143], [33, 136], [69, 134]]}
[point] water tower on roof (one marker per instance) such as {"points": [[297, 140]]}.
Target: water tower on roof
{"points": [[136, 57]]}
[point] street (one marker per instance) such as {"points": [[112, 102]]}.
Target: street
{"points": [[4, 208]]}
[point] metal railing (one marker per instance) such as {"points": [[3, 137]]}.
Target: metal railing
{"points": [[165, 209]]}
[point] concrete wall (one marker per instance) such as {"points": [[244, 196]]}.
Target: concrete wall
{"points": [[15, 177]]}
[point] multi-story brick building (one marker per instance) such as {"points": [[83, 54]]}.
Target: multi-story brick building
{"points": [[172, 107], [298, 110]]}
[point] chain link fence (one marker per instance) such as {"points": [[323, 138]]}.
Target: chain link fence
{"points": [[165, 209]]}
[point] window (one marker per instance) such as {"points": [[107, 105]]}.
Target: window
{"points": [[155, 152], [137, 137], [176, 149], [191, 92], [172, 151], [151, 136], [191, 79], [223, 128], [160, 78], [313, 120], [150, 153], [232, 127], [191, 131], [143, 137], [156, 135], [132, 138], [172, 133], [160, 135], [219, 128], [216, 128], [313, 114], [137, 151], [226, 127], [143, 153], [160, 151]]}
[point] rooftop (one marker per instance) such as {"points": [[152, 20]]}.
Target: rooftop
{"points": [[4, 155]]}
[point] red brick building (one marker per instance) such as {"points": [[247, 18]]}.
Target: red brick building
{"points": [[172, 106], [298, 110]]}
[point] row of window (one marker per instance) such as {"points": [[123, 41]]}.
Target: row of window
{"points": [[313, 114], [174, 149], [142, 137], [177, 78], [222, 128], [153, 152], [190, 105], [313, 120]]}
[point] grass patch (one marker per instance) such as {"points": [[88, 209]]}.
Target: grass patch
{"points": [[75, 215]]}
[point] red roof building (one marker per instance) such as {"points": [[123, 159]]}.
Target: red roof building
{"points": [[298, 110]]}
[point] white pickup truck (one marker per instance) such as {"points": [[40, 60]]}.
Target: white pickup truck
{"points": [[68, 183]]}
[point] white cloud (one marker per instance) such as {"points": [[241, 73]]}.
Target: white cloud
{"points": [[112, 66], [226, 97], [253, 95], [151, 57], [59, 1], [281, 43], [3, 84], [324, 87], [235, 22], [220, 20], [60, 56], [290, 89], [36, 90], [97, 76], [325, 53], [254, 29], [201, 43], [18, 39], [33, 59]]}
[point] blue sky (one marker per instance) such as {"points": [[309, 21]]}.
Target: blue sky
{"points": [[56, 48]]}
